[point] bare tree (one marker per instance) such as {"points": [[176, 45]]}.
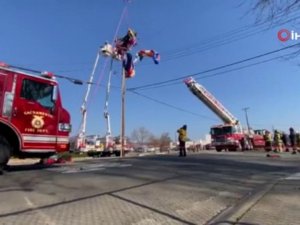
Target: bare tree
{"points": [[154, 141], [165, 141], [268, 10], [162, 142], [277, 12], [141, 135]]}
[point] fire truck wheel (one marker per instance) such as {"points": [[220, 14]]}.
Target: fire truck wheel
{"points": [[4, 152], [218, 149]]}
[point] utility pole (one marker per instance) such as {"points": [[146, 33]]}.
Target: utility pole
{"points": [[123, 113], [246, 114]]}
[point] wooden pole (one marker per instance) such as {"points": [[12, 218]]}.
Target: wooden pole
{"points": [[123, 113]]}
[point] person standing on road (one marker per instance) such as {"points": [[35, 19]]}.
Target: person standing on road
{"points": [[297, 141], [268, 141], [182, 136], [292, 137], [285, 141], [277, 141]]}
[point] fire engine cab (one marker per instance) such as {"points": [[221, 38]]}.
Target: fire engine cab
{"points": [[33, 122]]}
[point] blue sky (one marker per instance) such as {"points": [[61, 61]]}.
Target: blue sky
{"points": [[191, 35]]}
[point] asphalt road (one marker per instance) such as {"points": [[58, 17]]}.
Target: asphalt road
{"points": [[203, 188]]}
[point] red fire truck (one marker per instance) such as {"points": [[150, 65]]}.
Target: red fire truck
{"points": [[229, 135], [33, 122]]}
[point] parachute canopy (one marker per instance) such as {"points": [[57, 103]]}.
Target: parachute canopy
{"points": [[149, 53]]}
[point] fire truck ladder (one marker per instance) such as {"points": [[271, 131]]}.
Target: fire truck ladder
{"points": [[210, 101], [108, 137], [82, 131]]}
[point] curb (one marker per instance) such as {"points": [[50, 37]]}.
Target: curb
{"points": [[235, 213]]}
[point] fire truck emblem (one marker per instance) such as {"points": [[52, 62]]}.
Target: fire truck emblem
{"points": [[37, 122]]}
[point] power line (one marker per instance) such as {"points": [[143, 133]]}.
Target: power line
{"points": [[232, 36], [172, 106], [213, 42], [211, 75], [216, 68], [206, 76], [73, 80], [220, 73], [220, 40]]}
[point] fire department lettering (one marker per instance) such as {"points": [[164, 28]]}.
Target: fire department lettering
{"points": [[38, 113], [37, 121]]}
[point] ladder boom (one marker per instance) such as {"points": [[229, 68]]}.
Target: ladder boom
{"points": [[210, 101], [82, 131]]}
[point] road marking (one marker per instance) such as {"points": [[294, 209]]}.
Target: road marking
{"points": [[87, 167], [28, 202], [237, 211], [45, 217], [82, 170], [295, 176]]}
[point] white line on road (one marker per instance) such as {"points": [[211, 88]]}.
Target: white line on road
{"points": [[295, 176], [82, 170], [88, 167], [28, 202], [45, 217]]}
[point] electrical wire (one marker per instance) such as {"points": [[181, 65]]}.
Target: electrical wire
{"points": [[105, 63], [124, 12], [218, 40], [219, 73], [227, 38], [222, 72], [216, 68], [172, 106]]}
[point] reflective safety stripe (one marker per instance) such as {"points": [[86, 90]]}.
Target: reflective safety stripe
{"points": [[39, 150], [63, 139], [31, 138], [45, 138]]}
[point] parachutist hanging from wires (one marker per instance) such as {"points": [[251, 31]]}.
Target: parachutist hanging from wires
{"points": [[122, 46], [121, 52], [125, 43]]}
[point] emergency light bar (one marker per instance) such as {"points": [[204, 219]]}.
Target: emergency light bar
{"points": [[44, 74], [3, 64]]}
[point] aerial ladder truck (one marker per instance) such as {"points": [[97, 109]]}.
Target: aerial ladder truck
{"points": [[81, 138], [230, 135], [97, 146]]}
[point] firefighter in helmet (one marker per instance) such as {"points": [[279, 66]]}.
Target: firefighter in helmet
{"points": [[277, 141], [182, 137], [268, 141]]}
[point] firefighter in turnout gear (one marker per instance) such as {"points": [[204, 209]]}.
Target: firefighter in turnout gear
{"points": [[293, 140], [182, 137], [277, 141], [268, 141]]}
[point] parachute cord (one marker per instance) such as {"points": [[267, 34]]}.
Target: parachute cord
{"points": [[114, 38]]}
